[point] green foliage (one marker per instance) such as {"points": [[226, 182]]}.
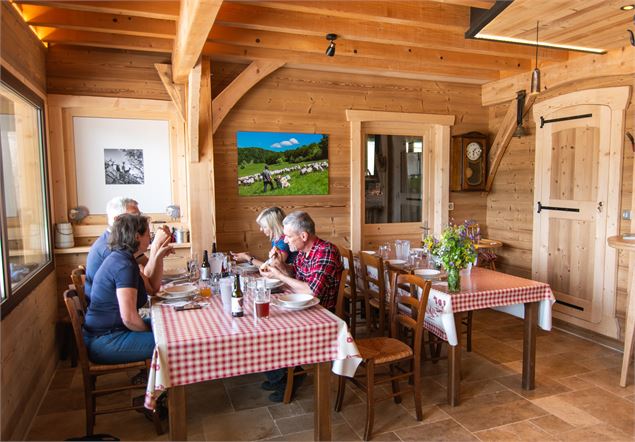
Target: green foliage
{"points": [[454, 249], [310, 152], [316, 183]]}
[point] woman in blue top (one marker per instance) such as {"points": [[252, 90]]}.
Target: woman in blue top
{"points": [[113, 331], [270, 222]]}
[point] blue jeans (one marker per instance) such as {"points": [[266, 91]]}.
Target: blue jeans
{"points": [[119, 347]]}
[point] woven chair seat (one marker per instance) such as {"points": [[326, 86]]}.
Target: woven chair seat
{"points": [[383, 350]]}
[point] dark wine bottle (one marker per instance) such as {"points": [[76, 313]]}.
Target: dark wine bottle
{"points": [[237, 299]]}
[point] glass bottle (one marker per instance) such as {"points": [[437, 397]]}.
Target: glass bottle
{"points": [[214, 247], [205, 267], [237, 299]]}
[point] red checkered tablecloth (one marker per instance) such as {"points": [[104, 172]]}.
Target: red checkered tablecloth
{"points": [[205, 344], [482, 288]]}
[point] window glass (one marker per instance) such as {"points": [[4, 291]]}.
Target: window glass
{"points": [[393, 179], [23, 198]]}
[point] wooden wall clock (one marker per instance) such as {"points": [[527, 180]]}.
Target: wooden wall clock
{"points": [[468, 162]]}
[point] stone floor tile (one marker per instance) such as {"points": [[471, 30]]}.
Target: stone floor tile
{"points": [[64, 399], [250, 424], [574, 383], [609, 379], [280, 411], [521, 431], [607, 408], [245, 379], [248, 396], [557, 406], [492, 410], [595, 433], [444, 430], [58, 426], [207, 398], [552, 424], [339, 432], [496, 350], [557, 366], [544, 386], [302, 422], [388, 417]]}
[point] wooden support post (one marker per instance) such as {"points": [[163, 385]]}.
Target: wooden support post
{"points": [[175, 91], [193, 105]]}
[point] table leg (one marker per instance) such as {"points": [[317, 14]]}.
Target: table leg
{"points": [[454, 366], [176, 407], [628, 337], [529, 346], [322, 413]]}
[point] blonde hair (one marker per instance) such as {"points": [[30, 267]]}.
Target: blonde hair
{"points": [[272, 218]]}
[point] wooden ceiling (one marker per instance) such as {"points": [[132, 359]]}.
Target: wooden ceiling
{"points": [[412, 39]]}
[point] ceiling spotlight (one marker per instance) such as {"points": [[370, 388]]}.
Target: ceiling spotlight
{"points": [[330, 51], [627, 7]]}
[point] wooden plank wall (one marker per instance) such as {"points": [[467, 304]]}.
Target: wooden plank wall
{"points": [[510, 202], [306, 101], [28, 355]]}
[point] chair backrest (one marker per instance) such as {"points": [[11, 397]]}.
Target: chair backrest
{"points": [[77, 313], [78, 277], [348, 260], [409, 309], [341, 295], [373, 276]]}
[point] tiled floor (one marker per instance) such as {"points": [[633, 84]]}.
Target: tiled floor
{"points": [[577, 398]]}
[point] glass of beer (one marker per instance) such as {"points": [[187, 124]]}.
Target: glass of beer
{"points": [[204, 288], [262, 297]]}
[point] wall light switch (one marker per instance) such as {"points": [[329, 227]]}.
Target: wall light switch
{"points": [[626, 215], [451, 206]]}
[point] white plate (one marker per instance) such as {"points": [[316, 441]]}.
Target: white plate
{"points": [[369, 252], [170, 297], [310, 304], [295, 299], [428, 273], [417, 249], [396, 262], [272, 283], [246, 267]]}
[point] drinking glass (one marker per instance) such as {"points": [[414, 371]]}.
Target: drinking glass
{"points": [[262, 298], [204, 288], [402, 249], [216, 262], [192, 267], [226, 287]]}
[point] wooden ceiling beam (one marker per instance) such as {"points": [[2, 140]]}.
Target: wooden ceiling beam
{"points": [[265, 19], [482, 4], [361, 50], [162, 10], [176, 92], [36, 15], [104, 40], [413, 13], [342, 63], [225, 101], [195, 22]]}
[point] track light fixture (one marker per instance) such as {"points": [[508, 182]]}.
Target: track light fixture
{"points": [[330, 51]]}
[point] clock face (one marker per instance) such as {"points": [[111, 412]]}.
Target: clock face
{"points": [[473, 151]]}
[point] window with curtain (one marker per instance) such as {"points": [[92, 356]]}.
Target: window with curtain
{"points": [[26, 240]]}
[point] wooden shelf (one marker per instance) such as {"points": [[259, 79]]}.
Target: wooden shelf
{"points": [[85, 249]]}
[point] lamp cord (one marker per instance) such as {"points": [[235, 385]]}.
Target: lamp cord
{"points": [[537, 44]]}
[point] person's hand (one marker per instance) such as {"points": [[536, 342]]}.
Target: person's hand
{"points": [[275, 258], [241, 256], [164, 248], [270, 272], [160, 237]]}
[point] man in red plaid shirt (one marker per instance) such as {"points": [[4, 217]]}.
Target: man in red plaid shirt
{"points": [[317, 269], [318, 266]]}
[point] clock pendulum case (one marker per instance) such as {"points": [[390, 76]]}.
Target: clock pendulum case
{"points": [[468, 162]]}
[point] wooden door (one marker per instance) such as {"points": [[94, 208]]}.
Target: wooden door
{"points": [[577, 173]]}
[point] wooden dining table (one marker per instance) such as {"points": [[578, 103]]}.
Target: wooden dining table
{"points": [[208, 343], [482, 288]]}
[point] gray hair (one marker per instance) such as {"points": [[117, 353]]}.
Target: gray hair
{"points": [[300, 222], [118, 206]]}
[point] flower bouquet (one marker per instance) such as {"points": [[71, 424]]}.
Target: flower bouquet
{"points": [[455, 250]]}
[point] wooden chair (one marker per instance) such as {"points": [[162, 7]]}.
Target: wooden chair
{"points": [[339, 311], [78, 277], [349, 315], [91, 371], [374, 291], [382, 351]]}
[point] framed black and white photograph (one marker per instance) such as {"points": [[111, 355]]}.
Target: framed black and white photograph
{"points": [[123, 166], [122, 157]]}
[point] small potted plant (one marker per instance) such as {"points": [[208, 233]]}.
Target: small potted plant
{"points": [[455, 250]]}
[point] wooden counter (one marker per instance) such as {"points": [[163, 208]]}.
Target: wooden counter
{"points": [[628, 245]]}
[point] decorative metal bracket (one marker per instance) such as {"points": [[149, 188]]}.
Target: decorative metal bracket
{"points": [[562, 209], [555, 120]]}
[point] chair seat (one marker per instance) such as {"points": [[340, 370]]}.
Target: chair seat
{"points": [[101, 368], [374, 302], [383, 350]]}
